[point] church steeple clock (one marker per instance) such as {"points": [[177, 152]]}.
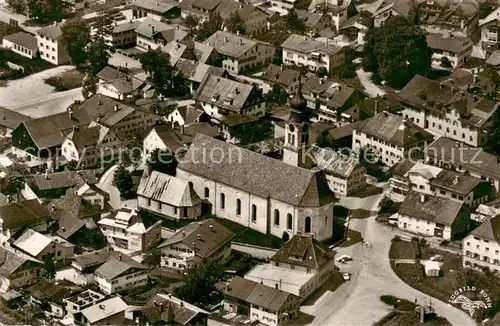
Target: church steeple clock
{"points": [[297, 128]]}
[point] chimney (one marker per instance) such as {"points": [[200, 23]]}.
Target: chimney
{"points": [[441, 85], [182, 129], [237, 91], [183, 233], [152, 29], [211, 227], [55, 23], [99, 101], [422, 198], [238, 33], [182, 303], [70, 114], [178, 27], [326, 41], [194, 245], [455, 180], [155, 303], [120, 257], [63, 228], [225, 39], [305, 37], [474, 79], [281, 67], [376, 106], [198, 236], [178, 46], [161, 306], [53, 207], [3, 117], [116, 107], [170, 295], [241, 41]]}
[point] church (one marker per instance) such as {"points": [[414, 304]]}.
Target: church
{"points": [[263, 193]]}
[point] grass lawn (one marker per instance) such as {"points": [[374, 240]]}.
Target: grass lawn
{"points": [[360, 213], [404, 314], [66, 81], [250, 236], [6, 29], [31, 66], [401, 250], [369, 190]]}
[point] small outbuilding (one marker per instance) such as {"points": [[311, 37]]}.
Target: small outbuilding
{"points": [[432, 268]]}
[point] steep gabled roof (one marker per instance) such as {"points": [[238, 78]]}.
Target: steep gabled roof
{"points": [[116, 266], [257, 174], [303, 250]]}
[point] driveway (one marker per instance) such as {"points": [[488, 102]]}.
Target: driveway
{"points": [[370, 88], [106, 183], [357, 302]]}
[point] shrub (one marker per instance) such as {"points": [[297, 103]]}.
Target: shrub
{"points": [[389, 300], [285, 237], [422, 242], [396, 238], [417, 253]]}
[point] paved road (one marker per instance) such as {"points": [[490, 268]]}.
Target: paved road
{"points": [[370, 88], [357, 302]]}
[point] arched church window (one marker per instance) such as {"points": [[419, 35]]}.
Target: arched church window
{"points": [[276, 217], [254, 213], [289, 221], [307, 228]]}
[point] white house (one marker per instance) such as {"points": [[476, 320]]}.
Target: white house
{"points": [[186, 115], [490, 29], [127, 230], [412, 176], [390, 138], [481, 248], [304, 51], [153, 34], [456, 48], [196, 243], [168, 196], [119, 274], [21, 43], [108, 312], [267, 305], [80, 301], [50, 46], [39, 246], [282, 6], [299, 267], [255, 190], [433, 216]]}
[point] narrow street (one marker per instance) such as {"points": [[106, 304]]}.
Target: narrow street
{"points": [[357, 302]]}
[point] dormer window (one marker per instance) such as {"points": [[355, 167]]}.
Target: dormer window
{"points": [[215, 98]]}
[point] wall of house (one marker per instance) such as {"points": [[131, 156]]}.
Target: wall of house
{"points": [[169, 211], [52, 50], [389, 154], [95, 198], [152, 142], [107, 89], [122, 283], [481, 252], [137, 121], [176, 256], [215, 111], [423, 227], [146, 43], [123, 38], [292, 57], [380, 19], [19, 49], [152, 236], [263, 315], [20, 278], [282, 6]]}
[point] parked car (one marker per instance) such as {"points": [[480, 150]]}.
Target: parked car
{"points": [[437, 258], [344, 258], [346, 276]]}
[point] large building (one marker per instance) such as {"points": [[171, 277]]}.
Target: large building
{"points": [[21, 43], [481, 248], [196, 243], [120, 273], [307, 52], [490, 31], [50, 45], [390, 138], [241, 53], [446, 110], [456, 48], [300, 267]]}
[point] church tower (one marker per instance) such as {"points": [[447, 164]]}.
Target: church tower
{"points": [[297, 129]]}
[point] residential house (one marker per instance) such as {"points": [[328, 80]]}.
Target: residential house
{"points": [[168, 310], [282, 6], [78, 302], [55, 185], [83, 266], [369, 107], [200, 9], [336, 9], [303, 51], [284, 77], [407, 175], [222, 96], [252, 189], [108, 312], [481, 247], [187, 114], [485, 212], [167, 196], [490, 29], [456, 49], [93, 194], [344, 173], [120, 273], [155, 9], [117, 84], [176, 139], [262, 303], [355, 27], [195, 72], [434, 216], [18, 216], [390, 138], [231, 126], [10, 120], [254, 19], [203, 53], [17, 269], [450, 154], [49, 295], [21, 43], [453, 16], [382, 10], [195, 243], [241, 53], [123, 33], [50, 45], [127, 229], [153, 34], [299, 267], [40, 246], [314, 22], [447, 111]]}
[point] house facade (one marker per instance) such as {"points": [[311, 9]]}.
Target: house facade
{"points": [[119, 274], [481, 248], [21, 43], [23, 272], [456, 49], [50, 46]]}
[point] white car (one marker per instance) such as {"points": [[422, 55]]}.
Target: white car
{"points": [[346, 276], [437, 258], [344, 258]]}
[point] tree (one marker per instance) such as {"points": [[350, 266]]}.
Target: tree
{"points": [[45, 10], [191, 22], [18, 6], [162, 161], [98, 54], [445, 62], [122, 179], [235, 23], [11, 185], [89, 85], [492, 143], [285, 237], [157, 64], [49, 268], [200, 282], [75, 38], [277, 95], [324, 140], [322, 72], [397, 51], [251, 133], [210, 26], [294, 23], [103, 25], [278, 57], [4, 57], [153, 258]]}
